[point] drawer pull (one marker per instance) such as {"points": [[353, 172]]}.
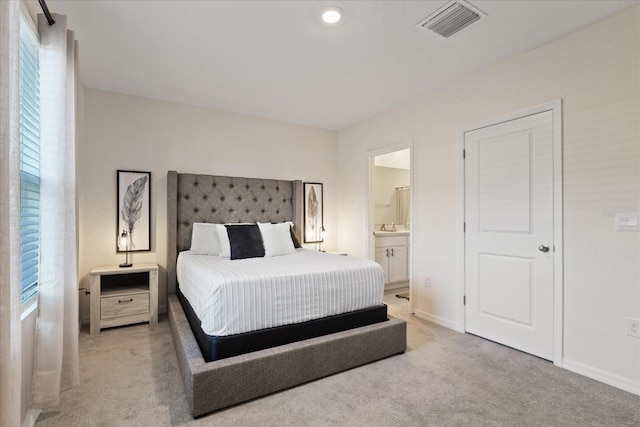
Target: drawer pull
{"points": [[120, 301]]}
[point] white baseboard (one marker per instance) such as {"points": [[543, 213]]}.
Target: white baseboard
{"points": [[390, 287], [603, 376], [31, 417], [436, 319]]}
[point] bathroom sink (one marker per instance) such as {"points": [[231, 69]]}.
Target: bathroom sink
{"points": [[391, 233]]}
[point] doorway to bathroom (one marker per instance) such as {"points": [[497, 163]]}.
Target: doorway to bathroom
{"points": [[389, 222]]}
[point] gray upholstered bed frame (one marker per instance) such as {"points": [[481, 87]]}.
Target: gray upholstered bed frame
{"points": [[215, 385], [222, 200]]}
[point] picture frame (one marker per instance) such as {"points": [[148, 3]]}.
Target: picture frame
{"points": [[313, 212], [134, 209]]}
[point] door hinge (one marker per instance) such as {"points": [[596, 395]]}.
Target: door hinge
{"points": [[464, 154], [464, 300], [464, 227]]}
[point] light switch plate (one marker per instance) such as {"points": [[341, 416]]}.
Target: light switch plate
{"points": [[627, 221], [633, 327]]}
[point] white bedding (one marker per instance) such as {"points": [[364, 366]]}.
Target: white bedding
{"points": [[236, 296]]}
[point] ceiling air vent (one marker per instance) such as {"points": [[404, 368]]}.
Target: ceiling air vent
{"points": [[451, 18]]}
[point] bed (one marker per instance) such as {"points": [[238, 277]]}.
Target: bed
{"points": [[240, 364]]}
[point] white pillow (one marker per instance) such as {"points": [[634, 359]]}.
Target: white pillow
{"points": [[223, 238], [204, 239], [276, 239]]}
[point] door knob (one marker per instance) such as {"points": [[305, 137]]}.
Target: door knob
{"points": [[543, 248]]}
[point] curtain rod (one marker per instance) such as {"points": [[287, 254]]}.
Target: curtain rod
{"points": [[47, 14]]}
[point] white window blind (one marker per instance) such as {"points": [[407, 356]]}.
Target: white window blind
{"points": [[29, 161]]}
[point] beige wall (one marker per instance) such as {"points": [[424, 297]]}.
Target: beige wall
{"points": [[129, 132], [596, 73]]}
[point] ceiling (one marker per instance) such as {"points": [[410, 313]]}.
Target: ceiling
{"points": [[277, 60]]}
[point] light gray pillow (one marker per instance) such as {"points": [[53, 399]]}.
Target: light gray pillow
{"points": [[276, 239], [223, 237], [204, 239]]}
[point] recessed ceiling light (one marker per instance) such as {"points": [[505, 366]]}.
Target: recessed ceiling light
{"points": [[332, 15]]}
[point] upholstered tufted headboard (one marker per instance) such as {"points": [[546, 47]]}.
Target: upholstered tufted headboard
{"points": [[223, 199]]}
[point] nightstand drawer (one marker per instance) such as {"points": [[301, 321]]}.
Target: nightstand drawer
{"points": [[124, 305]]}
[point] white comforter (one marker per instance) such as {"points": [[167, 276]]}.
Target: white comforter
{"points": [[236, 296]]}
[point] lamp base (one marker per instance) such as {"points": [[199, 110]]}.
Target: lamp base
{"points": [[124, 264]]}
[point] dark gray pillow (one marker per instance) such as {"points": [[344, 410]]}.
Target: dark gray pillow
{"points": [[245, 241], [294, 238]]}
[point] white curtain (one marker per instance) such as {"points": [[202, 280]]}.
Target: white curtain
{"points": [[10, 306], [402, 205], [57, 328]]}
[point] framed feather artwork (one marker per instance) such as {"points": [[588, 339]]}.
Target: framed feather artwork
{"points": [[313, 225], [134, 210]]}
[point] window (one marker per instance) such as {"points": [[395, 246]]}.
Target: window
{"points": [[29, 161]]}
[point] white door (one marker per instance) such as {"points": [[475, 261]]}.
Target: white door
{"points": [[508, 211]]}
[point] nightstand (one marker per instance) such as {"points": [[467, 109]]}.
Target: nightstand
{"points": [[122, 296]]}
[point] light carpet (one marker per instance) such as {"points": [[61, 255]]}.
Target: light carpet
{"points": [[130, 377]]}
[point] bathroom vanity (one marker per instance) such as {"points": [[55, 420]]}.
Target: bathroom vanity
{"points": [[392, 253]]}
